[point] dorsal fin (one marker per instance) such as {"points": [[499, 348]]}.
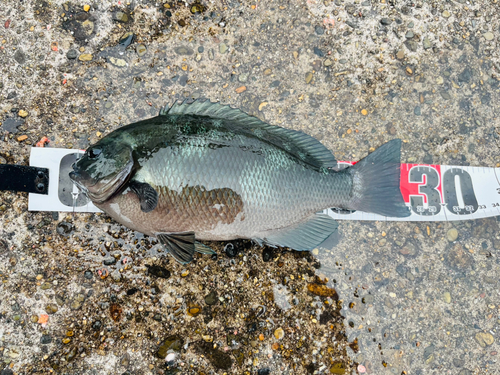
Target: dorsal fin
{"points": [[299, 144]]}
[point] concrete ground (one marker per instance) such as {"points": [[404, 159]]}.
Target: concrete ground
{"points": [[81, 294]]}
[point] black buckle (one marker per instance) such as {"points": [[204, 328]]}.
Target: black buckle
{"points": [[24, 178]]}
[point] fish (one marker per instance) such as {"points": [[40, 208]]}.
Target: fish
{"points": [[204, 171]]}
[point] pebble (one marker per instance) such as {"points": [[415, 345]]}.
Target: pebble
{"points": [[400, 55], [417, 111], [319, 30], [45, 339], [116, 276], [426, 43], [446, 14], [484, 339], [22, 113], [385, 21], [223, 48], [120, 17], [452, 235], [279, 333], [327, 62], [446, 297], [240, 89], [193, 310], [51, 308], [322, 290], [72, 54], [85, 57], [34, 318], [117, 62], [308, 77], [183, 50], [126, 39], [488, 35], [409, 34], [211, 298], [171, 343], [185, 273], [364, 112], [86, 7], [141, 50], [22, 138], [20, 57], [458, 258]]}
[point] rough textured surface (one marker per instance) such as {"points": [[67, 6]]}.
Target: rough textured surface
{"points": [[82, 295]]}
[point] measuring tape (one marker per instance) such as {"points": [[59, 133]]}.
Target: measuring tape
{"points": [[440, 193], [433, 192]]}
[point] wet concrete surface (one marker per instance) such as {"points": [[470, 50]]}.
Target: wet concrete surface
{"points": [[83, 295]]}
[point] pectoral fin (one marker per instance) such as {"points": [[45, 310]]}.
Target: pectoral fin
{"points": [[147, 195], [303, 236], [180, 245]]}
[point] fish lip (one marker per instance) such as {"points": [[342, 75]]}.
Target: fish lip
{"points": [[75, 177], [113, 187]]}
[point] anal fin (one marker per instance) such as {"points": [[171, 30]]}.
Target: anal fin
{"points": [[180, 245], [303, 236]]}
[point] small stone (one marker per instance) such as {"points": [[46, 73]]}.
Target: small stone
{"points": [[417, 111], [447, 297], [484, 339], [116, 276], [185, 273], [22, 113], [120, 17], [309, 77], [400, 55], [409, 34], [446, 14], [488, 35], [364, 112], [85, 57], [86, 7], [183, 50], [117, 62], [322, 290], [385, 21], [337, 368], [452, 235], [88, 27], [327, 62], [173, 343], [45, 339], [72, 54], [279, 333], [439, 80], [141, 50], [46, 285], [319, 30], [193, 310], [126, 39], [51, 308], [211, 298], [66, 340], [457, 258], [267, 71], [20, 57], [207, 338], [223, 48], [426, 43], [240, 89], [34, 318], [22, 138]]}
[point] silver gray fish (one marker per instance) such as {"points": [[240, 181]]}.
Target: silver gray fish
{"points": [[205, 171]]}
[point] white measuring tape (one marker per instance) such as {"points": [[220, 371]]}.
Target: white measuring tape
{"points": [[433, 192]]}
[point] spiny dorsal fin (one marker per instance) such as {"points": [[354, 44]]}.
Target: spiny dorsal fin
{"points": [[301, 145]]}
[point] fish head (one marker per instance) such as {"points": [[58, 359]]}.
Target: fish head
{"points": [[104, 169]]}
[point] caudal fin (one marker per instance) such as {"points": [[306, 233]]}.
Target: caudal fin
{"points": [[376, 180]]}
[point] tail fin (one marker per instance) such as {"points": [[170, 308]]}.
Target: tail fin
{"points": [[376, 182]]}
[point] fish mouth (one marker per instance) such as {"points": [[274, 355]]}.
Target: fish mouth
{"points": [[100, 190]]}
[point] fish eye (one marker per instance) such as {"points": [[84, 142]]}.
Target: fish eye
{"points": [[94, 152]]}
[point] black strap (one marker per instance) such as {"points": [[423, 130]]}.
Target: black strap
{"points": [[24, 178]]}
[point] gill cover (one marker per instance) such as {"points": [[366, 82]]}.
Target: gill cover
{"points": [[104, 169]]}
